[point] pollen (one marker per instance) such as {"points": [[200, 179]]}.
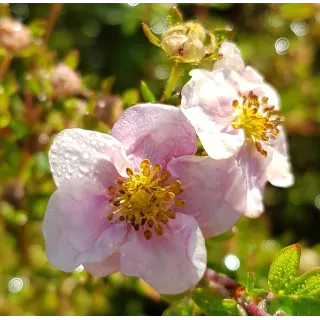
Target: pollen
{"points": [[145, 200], [258, 119]]}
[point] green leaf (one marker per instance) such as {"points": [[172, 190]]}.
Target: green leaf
{"points": [[295, 305], [72, 59], [107, 84], [174, 17], [38, 28], [184, 307], [284, 268], [222, 35], [130, 97], [146, 92], [306, 284], [151, 37], [250, 281], [212, 304]]}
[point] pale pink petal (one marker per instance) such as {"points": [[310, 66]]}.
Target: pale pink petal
{"points": [[171, 263], [279, 171], [104, 267], [76, 228], [156, 132], [78, 153], [254, 167], [214, 190], [207, 103]]}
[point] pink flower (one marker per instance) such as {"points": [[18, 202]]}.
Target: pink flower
{"points": [[133, 201], [234, 112]]}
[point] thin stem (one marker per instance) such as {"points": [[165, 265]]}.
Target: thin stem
{"points": [[55, 9], [172, 81], [5, 65], [255, 310]]}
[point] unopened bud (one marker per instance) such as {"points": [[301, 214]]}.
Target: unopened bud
{"points": [[109, 109], [65, 81], [14, 36]]}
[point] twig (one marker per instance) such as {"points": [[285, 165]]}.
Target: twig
{"points": [[55, 9]]}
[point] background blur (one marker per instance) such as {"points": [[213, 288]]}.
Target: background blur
{"points": [[106, 45]]}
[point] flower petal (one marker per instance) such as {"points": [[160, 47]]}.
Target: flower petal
{"points": [[254, 167], [156, 132], [78, 153], [104, 267], [207, 103], [214, 190], [279, 170], [171, 263], [76, 228]]}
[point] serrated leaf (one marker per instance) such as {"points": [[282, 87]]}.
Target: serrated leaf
{"points": [[146, 92], [184, 307], [295, 306], [212, 304], [284, 268], [174, 17], [306, 284], [72, 59], [149, 34], [222, 35]]}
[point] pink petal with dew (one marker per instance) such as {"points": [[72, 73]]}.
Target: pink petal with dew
{"points": [[156, 132], [214, 190], [171, 263], [207, 103], [105, 267], [279, 171], [78, 153], [76, 228]]}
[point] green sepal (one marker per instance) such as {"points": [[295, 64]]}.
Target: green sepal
{"points": [[147, 94], [284, 268], [149, 34], [174, 17], [306, 284], [222, 35]]}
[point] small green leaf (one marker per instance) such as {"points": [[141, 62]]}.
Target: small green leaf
{"points": [[174, 17], [184, 307], [151, 37], [250, 281], [222, 35], [295, 305], [38, 28], [284, 268], [107, 84], [72, 59], [130, 97], [212, 304], [146, 92], [306, 284]]}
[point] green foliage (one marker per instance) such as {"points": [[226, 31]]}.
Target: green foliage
{"points": [[212, 303], [174, 17], [150, 35], [183, 307], [146, 92], [284, 268]]}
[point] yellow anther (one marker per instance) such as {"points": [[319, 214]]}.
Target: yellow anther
{"points": [[129, 172], [171, 214], [144, 163], [166, 175], [157, 168], [168, 196], [175, 184], [113, 190], [148, 234], [146, 171], [179, 203], [158, 229]]}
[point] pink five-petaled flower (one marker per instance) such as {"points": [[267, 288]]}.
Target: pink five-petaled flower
{"points": [[133, 201], [234, 112]]}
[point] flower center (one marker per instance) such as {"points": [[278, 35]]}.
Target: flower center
{"points": [[258, 120], [144, 199]]}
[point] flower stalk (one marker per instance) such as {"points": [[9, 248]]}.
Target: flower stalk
{"points": [[172, 81]]}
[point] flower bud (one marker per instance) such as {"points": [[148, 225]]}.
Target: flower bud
{"points": [[109, 109], [187, 43], [65, 81], [14, 36]]}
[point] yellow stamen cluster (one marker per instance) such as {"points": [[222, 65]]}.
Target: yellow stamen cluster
{"points": [[144, 199], [258, 120]]}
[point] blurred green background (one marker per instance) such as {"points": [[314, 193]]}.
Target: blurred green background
{"points": [[106, 45]]}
